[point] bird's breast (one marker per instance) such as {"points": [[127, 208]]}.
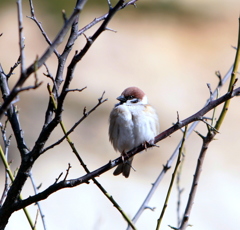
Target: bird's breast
{"points": [[131, 126]]}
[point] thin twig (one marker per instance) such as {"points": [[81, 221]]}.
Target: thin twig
{"points": [[172, 180], [35, 223], [29, 157], [39, 24], [103, 17], [13, 68], [35, 188], [7, 167], [57, 179], [42, 59], [210, 90], [86, 114], [67, 171], [49, 75], [21, 37], [76, 90], [218, 74], [232, 81], [173, 156], [110, 197], [112, 11], [89, 176], [179, 189], [207, 140], [6, 147]]}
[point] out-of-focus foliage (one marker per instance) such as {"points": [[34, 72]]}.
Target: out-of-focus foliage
{"points": [[184, 9]]}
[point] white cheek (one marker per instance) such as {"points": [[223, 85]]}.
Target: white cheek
{"points": [[144, 100]]}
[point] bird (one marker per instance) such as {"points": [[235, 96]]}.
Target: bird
{"points": [[132, 122]]}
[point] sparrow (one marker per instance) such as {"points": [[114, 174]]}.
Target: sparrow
{"points": [[132, 122]]}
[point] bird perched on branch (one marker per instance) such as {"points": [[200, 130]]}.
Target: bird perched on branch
{"points": [[132, 122]]}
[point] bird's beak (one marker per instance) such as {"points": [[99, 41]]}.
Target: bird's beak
{"points": [[121, 99]]}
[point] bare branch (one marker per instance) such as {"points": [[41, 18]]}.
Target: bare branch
{"points": [[35, 188], [91, 24], [210, 90], [13, 68], [39, 24], [218, 74], [172, 180], [195, 182], [76, 90], [6, 147], [64, 16], [109, 4], [173, 156], [120, 5], [67, 171], [59, 38], [210, 136], [89, 176], [112, 30], [109, 197], [21, 36], [198, 115], [85, 115], [232, 81], [179, 190]]}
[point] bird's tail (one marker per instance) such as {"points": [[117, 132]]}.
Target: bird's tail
{"points": [[124, 168]]}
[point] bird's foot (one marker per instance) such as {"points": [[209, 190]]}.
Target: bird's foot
{"points": [[149, 144]]}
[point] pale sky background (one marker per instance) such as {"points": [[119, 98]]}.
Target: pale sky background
{"points": [[169, 52]]}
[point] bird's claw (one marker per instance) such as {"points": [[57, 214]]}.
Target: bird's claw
{"points": [[149, 144]]}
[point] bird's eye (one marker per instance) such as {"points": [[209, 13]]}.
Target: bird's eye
{"points": [[130, 97], [135, 100]]}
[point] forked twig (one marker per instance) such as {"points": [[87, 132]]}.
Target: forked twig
{"points": [[174, 155], [66, 134], [207, 140]]}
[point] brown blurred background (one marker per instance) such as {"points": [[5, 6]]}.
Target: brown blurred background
{"points": [[171, 50]]}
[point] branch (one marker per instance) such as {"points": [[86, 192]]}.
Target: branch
{"points": [[197, 116], [102, 189], [61, 65], [78, 56], [174, 154], [13, 68], [232, 81], [59, 38], [8, 170], [30, 158], [13, 116], [89, 176], [207, 140], [112, 11], [5, 158], [21, 37], [85, 115], [179, 190], [172, 180], [37, 203], [33, 17]]}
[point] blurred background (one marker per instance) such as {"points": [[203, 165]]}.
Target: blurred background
{"points": [[169, 49]]}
